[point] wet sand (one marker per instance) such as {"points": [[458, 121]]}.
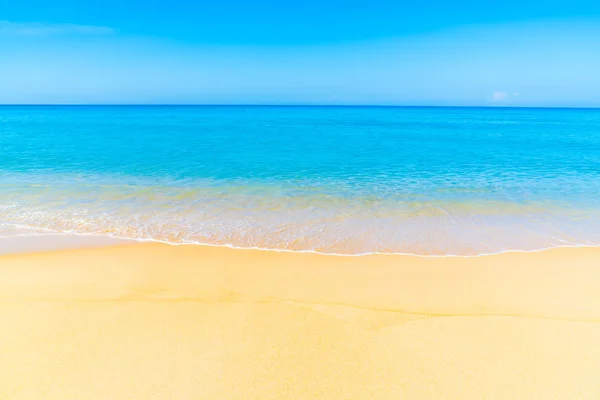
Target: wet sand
{"points": [[153, 321]]}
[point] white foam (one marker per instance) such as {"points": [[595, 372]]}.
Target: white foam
{"points": [[27, 243]]}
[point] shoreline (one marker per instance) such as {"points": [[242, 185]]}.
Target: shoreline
{"points": [[158, 321], [99, 240]]}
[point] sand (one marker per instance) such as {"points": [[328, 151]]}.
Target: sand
{"points": [[153, 321]]}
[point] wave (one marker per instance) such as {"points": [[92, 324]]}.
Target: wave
{"points": [[231, 246], [326, 219]]}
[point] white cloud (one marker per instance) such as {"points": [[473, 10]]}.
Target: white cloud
{"points": [[499, 96], [8, 28]]}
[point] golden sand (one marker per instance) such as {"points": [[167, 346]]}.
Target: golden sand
{"points": [[155, 321]]}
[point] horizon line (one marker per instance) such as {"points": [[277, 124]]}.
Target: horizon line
{"points": [[283, 105]]}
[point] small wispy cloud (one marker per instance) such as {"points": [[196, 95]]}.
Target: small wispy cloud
{"points": [[499, 96], [8, 28]]}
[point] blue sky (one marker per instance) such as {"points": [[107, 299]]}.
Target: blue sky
{"points": [[504, 53]]}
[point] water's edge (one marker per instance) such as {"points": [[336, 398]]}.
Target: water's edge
{"points": [[56, 241]]}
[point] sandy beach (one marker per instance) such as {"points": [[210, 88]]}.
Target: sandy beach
{"points": [[153, 321]]}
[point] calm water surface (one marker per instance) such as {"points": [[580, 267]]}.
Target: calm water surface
{"points": [[350, 180]]}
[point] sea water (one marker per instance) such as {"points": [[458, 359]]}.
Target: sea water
{"points": [[344, 180]]}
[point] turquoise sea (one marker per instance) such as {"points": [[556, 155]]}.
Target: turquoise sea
{"points": [[346, 180]]}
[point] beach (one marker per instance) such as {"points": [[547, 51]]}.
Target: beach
{"points": [[155, 321], [299, 200]]}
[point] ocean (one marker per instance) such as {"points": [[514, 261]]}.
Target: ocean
{"points": [[340, 180]]}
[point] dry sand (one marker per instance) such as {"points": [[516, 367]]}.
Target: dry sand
{"points": [[153, 321]]}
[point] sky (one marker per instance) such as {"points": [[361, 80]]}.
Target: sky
{"points": [[376, 52]]}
